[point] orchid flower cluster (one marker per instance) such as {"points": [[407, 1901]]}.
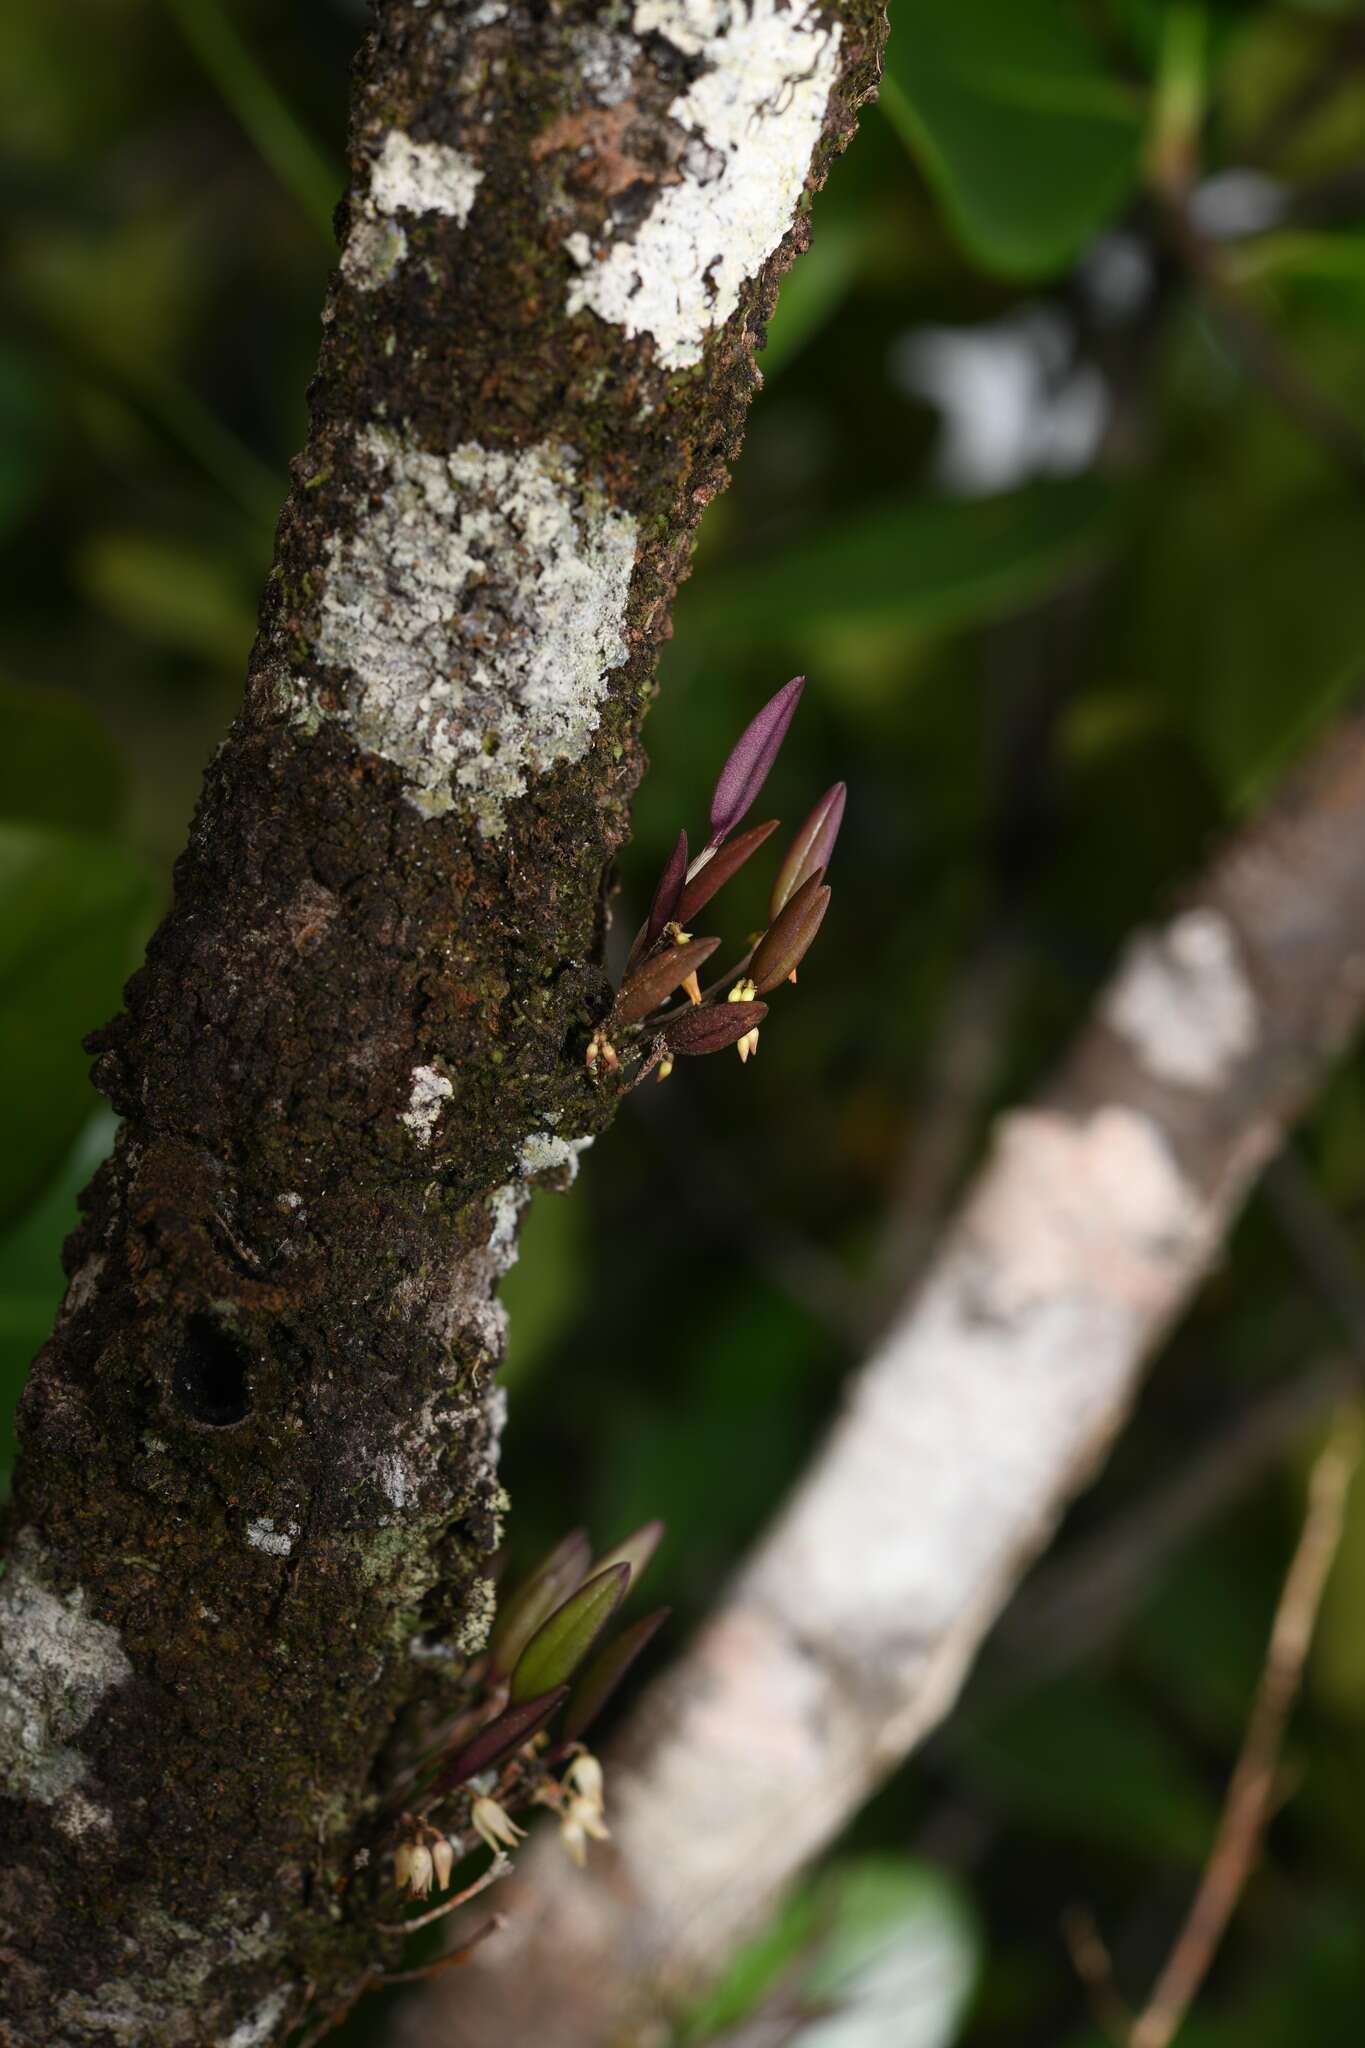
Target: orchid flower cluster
{"points": [[549, 1659], [647, 1018]]}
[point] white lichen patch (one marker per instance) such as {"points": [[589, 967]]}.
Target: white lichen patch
{"points": [[78, 1817], [1183, 1002], [59, 1664], [84, 1281], [430, 1089], [162, 1998], [259, 2027], [374, 249], [397, 1479], [406, 177], [506, 1204], [263, 1535], [461, 1306], [542, 1152], [606, 60], [478, 611], [753, 116], [423, 177]]}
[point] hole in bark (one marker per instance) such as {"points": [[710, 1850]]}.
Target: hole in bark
{"points": [[210, 1375]]}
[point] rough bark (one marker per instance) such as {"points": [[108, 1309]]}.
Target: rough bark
{"points": [[988, 1403], [257, 1492]]}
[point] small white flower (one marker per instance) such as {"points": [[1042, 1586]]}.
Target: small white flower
{"points": [[420, 1871], [581, 1816], [494, 1825], [744, 992], [574, 1837], [585, 1778]]}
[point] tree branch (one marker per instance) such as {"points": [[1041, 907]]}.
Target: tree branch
{"points": [[989, 1402], [257, 1494]]}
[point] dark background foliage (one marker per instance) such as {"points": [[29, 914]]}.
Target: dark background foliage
{"points": [[1056, 492]]}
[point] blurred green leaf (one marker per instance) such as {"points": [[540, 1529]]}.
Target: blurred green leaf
{"points": [[1084, 1761], [544, 1290], [297, 161], [758, 1966], [168, 590], [739, 1421], [925, 565], [1299, 259], [124, 293], [883, 1953], [1208, 1596], [813, 291], [25, 428], [1339, 1139], [59, 765], [1252, 681], [71, 907], [898, 1963], [1030, 142]]}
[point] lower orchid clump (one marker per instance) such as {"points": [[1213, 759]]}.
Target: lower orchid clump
{"points": [[646, 1021], [548, 1661]]}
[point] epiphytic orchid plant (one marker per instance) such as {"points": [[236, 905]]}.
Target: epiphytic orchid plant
{"points": [[661, 1009], [550, 1659]]}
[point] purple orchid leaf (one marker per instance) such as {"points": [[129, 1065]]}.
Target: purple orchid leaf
{"points": [[719, 869], [789, 938], [811, 848], [605, 1672], [751, 758], [712, 1028], [655, 982], [665, 904], [498, 1739], [635, 1550]]}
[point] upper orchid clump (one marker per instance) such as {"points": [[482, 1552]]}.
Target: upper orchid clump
{"points": [[665, 957]]}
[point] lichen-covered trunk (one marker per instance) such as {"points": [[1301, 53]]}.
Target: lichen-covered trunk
{"points": [[257, 1492]]}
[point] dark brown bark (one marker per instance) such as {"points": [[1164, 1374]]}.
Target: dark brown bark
{"points": [[257, 1491]]}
